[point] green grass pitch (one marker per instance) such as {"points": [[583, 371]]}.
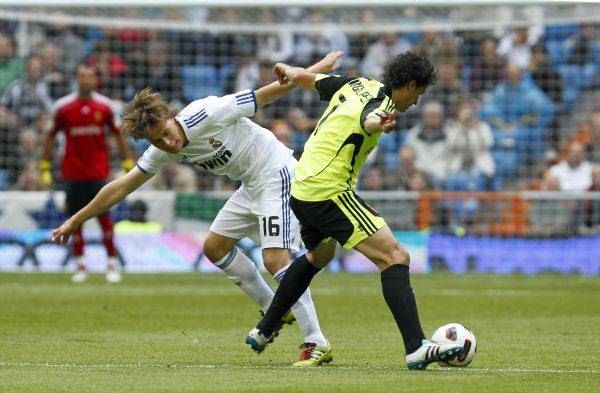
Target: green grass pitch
{"points": [[185, 333]]}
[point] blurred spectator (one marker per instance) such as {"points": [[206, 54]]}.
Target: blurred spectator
{"points": [[574, 173], [282, 131], [448, 89], [175, 177], [470, 161], [316, 44], [29, 178], [372, 179], [593, 147], [487, 70], [406, 177], [111, 70], [430, 143], [438, 49], [544, 74], [164, 74], [8, 139], [137, 221], [302, 127], [28, 97], [11, 67], [381, 52], [247, 71], [592, 208], [274, 47], [581, 46], [549, 216], [515, 47], [518, 112], [29, 149], [55, 74], [71, 43]]}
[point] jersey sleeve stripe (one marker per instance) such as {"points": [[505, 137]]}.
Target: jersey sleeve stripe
{"points": [[192, 118], [245, 101], [140, 168], [197, 118]]}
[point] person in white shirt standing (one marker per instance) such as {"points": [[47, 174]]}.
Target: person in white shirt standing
{"points": [[215, 134]]}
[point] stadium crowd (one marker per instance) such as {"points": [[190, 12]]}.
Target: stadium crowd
{"points": [[518, 111]]}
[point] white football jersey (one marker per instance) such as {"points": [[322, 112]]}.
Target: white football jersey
{"points": [[223, 141]]}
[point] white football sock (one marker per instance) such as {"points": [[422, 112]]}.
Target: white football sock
{"points": [[80, 263], [243, 272], [306, 315], [111, 263]]}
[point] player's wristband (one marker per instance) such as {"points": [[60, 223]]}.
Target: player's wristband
{"points": [[45, 165], [127, 164]]}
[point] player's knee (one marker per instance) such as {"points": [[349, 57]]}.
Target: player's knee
{"points": [[276, 259], [396, 255], [214, 251]]}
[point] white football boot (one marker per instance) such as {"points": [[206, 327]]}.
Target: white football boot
{"points": [[430, 352], [80, 276], [113, 276]]}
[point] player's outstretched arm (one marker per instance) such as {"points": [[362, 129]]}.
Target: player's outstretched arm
{"points": [[267, 94], [111, 194]]}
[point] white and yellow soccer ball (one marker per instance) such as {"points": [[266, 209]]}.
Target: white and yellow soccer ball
{"points": [[460, 334]]}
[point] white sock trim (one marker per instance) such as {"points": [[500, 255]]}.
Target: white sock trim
{"points": [[280, 273]]}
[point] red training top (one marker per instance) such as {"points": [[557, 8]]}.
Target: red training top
{"points": [[84, 122]]}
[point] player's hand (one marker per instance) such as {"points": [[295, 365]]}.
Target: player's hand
{"points": [[330, 62], [46, 179], [61, 234], [387, 120], [127, 164], [280, 72]]}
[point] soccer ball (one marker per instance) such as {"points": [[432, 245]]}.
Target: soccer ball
{"points": [[457, 333]]}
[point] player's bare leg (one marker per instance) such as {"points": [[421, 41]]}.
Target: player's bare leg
{"points": [[393, 261]]}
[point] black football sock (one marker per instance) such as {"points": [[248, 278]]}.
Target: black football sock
{"points": [[399, 296], [294, 283]]}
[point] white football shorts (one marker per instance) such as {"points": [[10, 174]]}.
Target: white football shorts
{"points": [[263, 213]]}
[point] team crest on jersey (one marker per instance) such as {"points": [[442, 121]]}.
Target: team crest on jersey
{"points": [[215, 143], [97, 116]]}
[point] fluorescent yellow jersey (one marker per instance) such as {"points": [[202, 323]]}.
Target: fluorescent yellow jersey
{"points": [[339, 146]]}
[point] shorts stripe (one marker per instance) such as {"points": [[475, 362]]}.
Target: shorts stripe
{"points": [[364, 211], [352, 212], [285, 206], [358, 215], [288, 209], [286, 212]]}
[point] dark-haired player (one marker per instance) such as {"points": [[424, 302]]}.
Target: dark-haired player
{"points": [[324, 201]]}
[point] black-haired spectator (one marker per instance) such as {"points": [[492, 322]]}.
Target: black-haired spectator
{"points": [[58, 80], [488, 68], [544, 74]]}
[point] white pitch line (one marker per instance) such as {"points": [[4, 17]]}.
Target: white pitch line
{"points": [[333, 367]]}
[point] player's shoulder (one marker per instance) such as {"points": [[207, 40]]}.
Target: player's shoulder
{"points": [[102, 100], [65, 102]]}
